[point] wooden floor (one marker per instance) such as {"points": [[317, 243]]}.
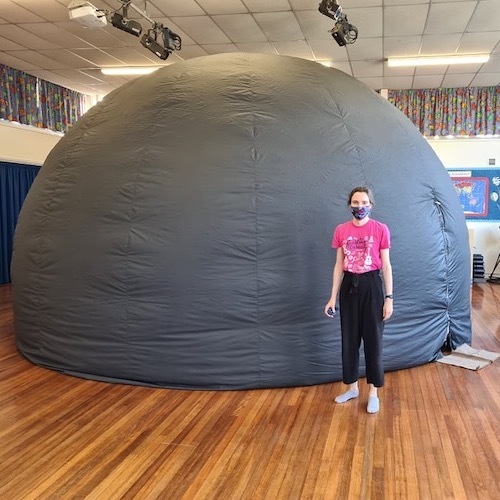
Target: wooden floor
{"points": [[436, 436]]}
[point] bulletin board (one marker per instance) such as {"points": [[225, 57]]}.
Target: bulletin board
{"points": [[478, 190]]}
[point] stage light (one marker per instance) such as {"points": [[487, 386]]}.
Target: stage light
{"points": [[150, 43], [120, 21], [89, 15], [343, 32]]}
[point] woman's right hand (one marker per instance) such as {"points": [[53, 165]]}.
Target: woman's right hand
{"points": [[330, 305]]}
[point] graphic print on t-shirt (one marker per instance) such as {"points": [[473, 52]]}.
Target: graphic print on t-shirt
{"points": [[358, 254]]}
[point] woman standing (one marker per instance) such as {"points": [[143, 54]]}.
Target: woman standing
{"points": [[362, 251]]}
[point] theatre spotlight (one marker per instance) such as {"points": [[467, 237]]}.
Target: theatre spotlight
{"points": [[171, 40], [150, 43], [343, 32], [130, 26]]}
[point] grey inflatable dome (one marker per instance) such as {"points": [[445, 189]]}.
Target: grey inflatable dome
{"points": [[179, 235]]}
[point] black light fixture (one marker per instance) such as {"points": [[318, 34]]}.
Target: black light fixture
{"points": [[149, 41], [171, 41], [343, 32], [122, 22]]}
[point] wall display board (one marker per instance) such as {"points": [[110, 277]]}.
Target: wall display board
{"points": [[478, 190]]}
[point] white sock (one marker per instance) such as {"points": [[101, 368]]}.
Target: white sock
{"points": [[373, 404], [350, 394]]}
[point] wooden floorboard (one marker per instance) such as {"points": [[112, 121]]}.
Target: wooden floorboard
{"points": [[436, 436]]}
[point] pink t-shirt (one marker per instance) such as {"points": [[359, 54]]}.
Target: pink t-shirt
{"points": [[362, 245]]}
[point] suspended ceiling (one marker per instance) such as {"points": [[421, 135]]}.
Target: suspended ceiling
{"points": [[37, 36]]}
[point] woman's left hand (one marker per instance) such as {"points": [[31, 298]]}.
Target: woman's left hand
{"points": [[387, 311]]}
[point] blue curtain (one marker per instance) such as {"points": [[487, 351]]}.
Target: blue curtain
{"points": [[15, 182]]}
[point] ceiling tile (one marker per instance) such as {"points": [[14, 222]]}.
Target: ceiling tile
{"points": [[367, 68], [405, 20], [179, 7], [451, 17], [478, 42], [348, 5], [25, 38], [431, 70], [38, 59], [220, 48], [190, 51], [342, 66], [440, 44], [404, 2], [314, 25], [366, 48], [368, 21], [486, 80], [66, 57], [45, 9], [298, 48], [59, 37], [81, 75], [457, 80], [240, 28], [427, 81], [463, 68], [50, 76], [279, 26], [492, 66], [373, 82], [99, 37], [399, 46], [9, 45], [201, 29], [134, 57], [398, 82], [302, 4], [486, 17], [257, 47], [327, 49], [14, 13], [267, 6], [214, 7], [8, 59], [96, 57]]}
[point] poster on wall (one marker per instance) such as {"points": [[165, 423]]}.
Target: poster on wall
{"points": [[478, 190]]}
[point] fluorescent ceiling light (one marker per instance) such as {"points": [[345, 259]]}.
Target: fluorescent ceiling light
{"points": [[128, 70], [437, 60]]}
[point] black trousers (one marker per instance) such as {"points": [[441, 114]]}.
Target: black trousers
{"points": [[361, 309]]}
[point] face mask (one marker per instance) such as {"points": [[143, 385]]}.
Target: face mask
{"points": [[360, 212]]}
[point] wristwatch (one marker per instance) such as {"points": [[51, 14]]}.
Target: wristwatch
{"points": [[389, 296]]}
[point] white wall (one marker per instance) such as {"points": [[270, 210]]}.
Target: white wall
{"points": [[22, 144], [474, 152]]}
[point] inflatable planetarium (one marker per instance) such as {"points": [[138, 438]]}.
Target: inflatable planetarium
{"points": [[179, 234]]}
